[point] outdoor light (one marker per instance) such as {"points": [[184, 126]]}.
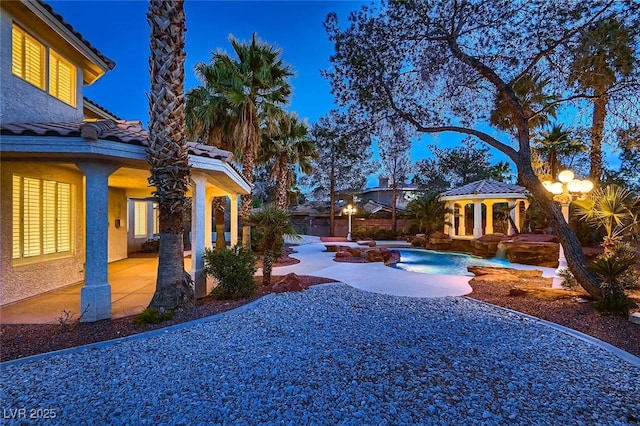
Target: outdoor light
{"points": [[350, 211], [564, 192]]}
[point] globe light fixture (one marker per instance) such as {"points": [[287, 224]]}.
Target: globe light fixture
{"points": [[350, 211], [566, 190]]}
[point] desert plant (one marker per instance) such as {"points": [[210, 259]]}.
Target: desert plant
{"points": [[610, 268], [274, 223], [233, 269], [568, 280], [152, 316]]}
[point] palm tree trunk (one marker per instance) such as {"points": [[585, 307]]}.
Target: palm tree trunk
{"points": [[332, 203], [167, 153], [219, 206], [597, 128], [246, 200], [267, 265], [282, 180]]}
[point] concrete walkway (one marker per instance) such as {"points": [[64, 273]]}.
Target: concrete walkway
{"points": [[133, 283]]}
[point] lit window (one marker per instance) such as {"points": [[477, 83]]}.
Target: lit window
{"points": [[41, 217], [140, 219], [28, 61], [62, 79], [28, 58]]}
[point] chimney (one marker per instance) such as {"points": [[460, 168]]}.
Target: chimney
{"points": [[383, 182]]}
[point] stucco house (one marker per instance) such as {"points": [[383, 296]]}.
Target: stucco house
{"points": [[382, 195], [70, 170]]}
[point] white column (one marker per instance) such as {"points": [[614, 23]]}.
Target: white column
{"points": [[208, 219], [462, 230], [477, 219], [234, 219], [95, 295], [562, 260], [198, 231], [447, 218], [488, 229]]}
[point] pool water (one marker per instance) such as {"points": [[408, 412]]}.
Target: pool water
{"points": [[434, 262]]}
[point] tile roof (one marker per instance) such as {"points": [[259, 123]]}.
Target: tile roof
{"points": [[53, 13], [485, 186], [129, 132], [100, 107]]}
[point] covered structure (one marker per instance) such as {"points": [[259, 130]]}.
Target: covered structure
{"points": [[470, 208], [65, 216]]}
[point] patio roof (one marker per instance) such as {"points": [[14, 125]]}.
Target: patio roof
{"points": [[485, 187]]}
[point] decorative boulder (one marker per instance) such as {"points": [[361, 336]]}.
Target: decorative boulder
{"points": [[531, 253], [356, 251], [331, 248], [291, 282], [439, 241], [375, 255], [487, 245], [342, 254]]}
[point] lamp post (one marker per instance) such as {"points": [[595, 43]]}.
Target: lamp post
{"points": [[566, 190], [350, 211]]}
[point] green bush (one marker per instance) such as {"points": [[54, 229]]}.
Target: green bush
{"points": [[152, 316], [568, 280], [151, 246], [233, 269], [374, 233], [613, 304]]}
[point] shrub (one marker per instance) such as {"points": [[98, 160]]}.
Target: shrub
{"points": [[419, 242], [374, 233], [152, 316], [151, 246], [233, 269], [568, 280], [613, 304]]}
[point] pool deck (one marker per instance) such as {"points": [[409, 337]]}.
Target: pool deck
{"points": [[133, 283]]}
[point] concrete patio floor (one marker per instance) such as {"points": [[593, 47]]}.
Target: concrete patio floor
{"points": [[132, 280]]}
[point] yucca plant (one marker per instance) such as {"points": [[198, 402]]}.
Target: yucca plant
{"points": [[610, 268]]}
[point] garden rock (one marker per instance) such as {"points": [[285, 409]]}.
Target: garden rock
{"points": [[290, 282]]}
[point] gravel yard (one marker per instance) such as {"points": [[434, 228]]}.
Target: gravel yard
{"points": [[336, 355]]}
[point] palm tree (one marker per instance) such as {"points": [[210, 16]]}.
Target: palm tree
{"points": [[428, 214], [167, 152], [555, 144], [253, 85], [536, 103], [613, 208], [289, 145], [275, 223], [210, 120], [604, 53]]}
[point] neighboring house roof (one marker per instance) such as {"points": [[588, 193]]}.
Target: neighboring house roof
{"points": [[98, 110], [109, 62], [403, 187], [374, 207], [128, 132], [485, 187]]}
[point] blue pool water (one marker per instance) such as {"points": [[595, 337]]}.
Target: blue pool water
{"points": [[434, 262]]}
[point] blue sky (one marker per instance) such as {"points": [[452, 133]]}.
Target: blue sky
{"points": [[119, 30]]}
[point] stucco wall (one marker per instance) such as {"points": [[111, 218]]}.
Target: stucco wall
{"points": [[21, 101], [19, 280], [117, 233]]}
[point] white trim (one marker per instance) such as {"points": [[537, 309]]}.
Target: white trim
{"points": [[495, 196]]}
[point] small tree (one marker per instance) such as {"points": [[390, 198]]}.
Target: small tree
{"points": [[275, 224]]}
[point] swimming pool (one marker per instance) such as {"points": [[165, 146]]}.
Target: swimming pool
{"points": [[435, 262]]}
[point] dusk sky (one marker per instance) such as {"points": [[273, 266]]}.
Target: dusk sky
{"points": [[119, 29]]}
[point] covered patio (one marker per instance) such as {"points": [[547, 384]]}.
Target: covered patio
{"points": [[133, 282]]}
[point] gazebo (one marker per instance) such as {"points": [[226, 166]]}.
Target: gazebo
{"points": [[487, 193]]}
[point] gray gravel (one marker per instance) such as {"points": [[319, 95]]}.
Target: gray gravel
{"points": [[336, 355]]}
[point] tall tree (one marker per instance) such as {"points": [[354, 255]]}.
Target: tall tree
{"points": [[343, 162], [395, 164], [290, 145], [458, 166], [167, 152], [253, 84], [603, 56], [210, 120], [440, 65]]}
